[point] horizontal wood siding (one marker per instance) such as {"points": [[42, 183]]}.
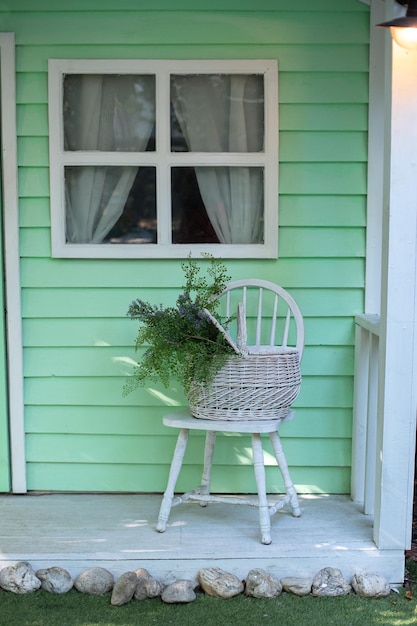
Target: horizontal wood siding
{"points": [[78, 344]]}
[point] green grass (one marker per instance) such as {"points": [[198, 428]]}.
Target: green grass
{"points": [[74, 609]]}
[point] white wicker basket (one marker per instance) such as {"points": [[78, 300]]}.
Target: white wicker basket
{"points": [[250, 387]]}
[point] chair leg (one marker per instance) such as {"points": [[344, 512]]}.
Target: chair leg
{"points": [[208, 461], [176, 464], [282, 464], [259, 468]]}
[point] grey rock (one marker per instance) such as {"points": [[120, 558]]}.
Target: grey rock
{"points": [[216, 582], [297, 585], [55, 579], [124, 589], [146, 586], [260, 584], [95, 581], [19, 578], [179, 591], [370, 585], [329, 581]]}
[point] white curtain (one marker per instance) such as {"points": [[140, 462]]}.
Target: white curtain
{"points": [[224, 113], [105, 113]]}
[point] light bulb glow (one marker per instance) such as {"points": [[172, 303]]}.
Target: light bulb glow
{"points": [[405, 37]]}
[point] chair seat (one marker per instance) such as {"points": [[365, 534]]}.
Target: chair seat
{"points": [[184, 419]]}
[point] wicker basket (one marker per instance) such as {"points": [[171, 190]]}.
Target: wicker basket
{"points": [[251, 387]]}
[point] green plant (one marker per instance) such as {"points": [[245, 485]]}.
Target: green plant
{"points": [[182, 341]]}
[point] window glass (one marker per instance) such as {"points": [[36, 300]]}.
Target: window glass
{"points": [[218, 205], [190, 222], [109, 113], [217, 113], [110, 204], [138, 222]]}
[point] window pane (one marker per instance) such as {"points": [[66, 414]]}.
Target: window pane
{"points": [[217, 204], [217, 113], [190, 222], [110, 204], [109, 113]]}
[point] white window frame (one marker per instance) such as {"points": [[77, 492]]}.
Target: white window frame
{"points": [[162, 158]]}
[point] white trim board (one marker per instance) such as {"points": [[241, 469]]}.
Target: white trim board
{"points": [[378, 150], [12, 273], [162, 160], [396, 433]]}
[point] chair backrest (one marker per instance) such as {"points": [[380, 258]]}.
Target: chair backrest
{"points": [[270, 315]]}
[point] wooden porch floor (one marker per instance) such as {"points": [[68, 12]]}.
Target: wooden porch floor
{"points": [[77, 531]]}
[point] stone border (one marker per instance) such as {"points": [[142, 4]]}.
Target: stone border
{"points": [[140, 584]]}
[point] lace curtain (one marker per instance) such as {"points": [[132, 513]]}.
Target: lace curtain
{"points": [[105, 113], [224, 113]]}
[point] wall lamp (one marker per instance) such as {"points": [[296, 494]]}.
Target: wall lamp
{"points": [[404, 29]]}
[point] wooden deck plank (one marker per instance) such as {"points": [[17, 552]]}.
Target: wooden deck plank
{"points": [[77, 531]]}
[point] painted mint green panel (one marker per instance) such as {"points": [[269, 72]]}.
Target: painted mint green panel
{"points": [[164, 5], [33, 181], [310, 423], [34, 212], [316, 391], [352, 116], [329, 87], [229, 450], [330, 330], [89, 477], [31, 88], [326, 391], [33, 152], [89, 420], [96, 391], [328, 361], [345, 58], [111, 361], [191, 27], [329, 303], [332, 242], [32, 119], [322, 178], [40, 272], [322, 211], [88, 302], [320, 146], [98, 303], [78, 344], [35, 242], [96, 332]]}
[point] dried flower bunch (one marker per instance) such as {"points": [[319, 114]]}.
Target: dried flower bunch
{"points": [[181, 341]]}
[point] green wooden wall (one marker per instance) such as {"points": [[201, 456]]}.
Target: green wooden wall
{"points": [[80, 433]]}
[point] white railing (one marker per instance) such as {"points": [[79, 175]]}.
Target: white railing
{"points": [[365, 411]]}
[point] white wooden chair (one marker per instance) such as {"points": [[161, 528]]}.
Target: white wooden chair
{"points": [[272, 324]]}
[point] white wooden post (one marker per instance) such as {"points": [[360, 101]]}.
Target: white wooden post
{"points": [[396, 430], [378, 148], [367, 325], [360, 414], [365, 411], [12, 261]]}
